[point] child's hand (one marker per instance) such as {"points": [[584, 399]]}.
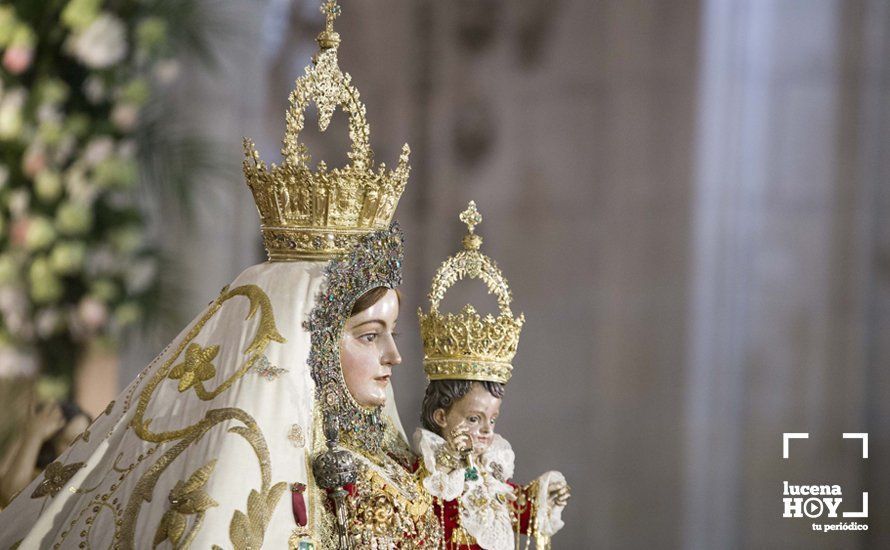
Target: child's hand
{"points": [[459, 440], [559, 494]]}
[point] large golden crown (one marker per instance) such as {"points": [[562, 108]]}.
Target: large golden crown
{"points": [[317, 215], [467, 346]]}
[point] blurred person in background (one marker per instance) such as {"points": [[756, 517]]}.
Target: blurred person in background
{"points": [[50, 429]]}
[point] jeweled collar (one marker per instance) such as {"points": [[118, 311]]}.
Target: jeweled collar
{"points": [[376, 261]]}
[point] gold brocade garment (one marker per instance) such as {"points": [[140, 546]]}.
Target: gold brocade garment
{"points": [[388, 508]]}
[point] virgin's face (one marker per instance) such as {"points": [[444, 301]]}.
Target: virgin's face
{"points": [[368, 350]]}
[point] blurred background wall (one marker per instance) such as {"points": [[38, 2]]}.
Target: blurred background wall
{"points": [[689, 199]]}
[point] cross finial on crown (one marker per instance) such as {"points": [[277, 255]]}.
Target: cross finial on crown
{"points": [[472, 218], [331, 10], [329, 39]]}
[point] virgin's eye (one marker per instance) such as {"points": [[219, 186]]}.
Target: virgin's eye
{"points": [[370, 337]]}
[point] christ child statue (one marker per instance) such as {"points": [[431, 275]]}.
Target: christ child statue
{"points": [[467, 467]]}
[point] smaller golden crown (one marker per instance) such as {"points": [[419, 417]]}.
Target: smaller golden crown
{"points": [[467, 346], [321, 214]]}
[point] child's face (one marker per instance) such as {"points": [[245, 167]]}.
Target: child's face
{"points": [[478, 410]]}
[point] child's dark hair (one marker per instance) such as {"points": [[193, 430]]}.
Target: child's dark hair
{"points": [[442, 394]]}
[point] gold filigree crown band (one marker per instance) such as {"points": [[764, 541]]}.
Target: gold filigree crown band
{"points": [[322, 214], [467, 346]]}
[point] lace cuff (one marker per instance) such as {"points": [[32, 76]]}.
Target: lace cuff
{"points": [[548, 520]]}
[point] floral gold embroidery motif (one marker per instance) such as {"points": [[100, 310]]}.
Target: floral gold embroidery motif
{"points": [[186, 499], [376, 513], [266, 332], [196, 367], [55, 477], [246, 530]]}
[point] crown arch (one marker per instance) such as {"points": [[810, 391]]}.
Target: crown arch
{"points": [[329, 87], [470, 264]]}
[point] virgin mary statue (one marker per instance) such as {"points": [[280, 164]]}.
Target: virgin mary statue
{"points": [[245, 430]]}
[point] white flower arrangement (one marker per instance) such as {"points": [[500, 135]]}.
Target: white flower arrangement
{"points": [[75, 264], [102, 44]]}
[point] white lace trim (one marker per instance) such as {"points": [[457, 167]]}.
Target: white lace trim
{"points": [[549, 518], [484, 513], [486, 518]]}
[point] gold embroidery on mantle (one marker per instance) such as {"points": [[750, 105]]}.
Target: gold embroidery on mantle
{"points": [[196, 367], [245, 530], [266, 332], [186, 499], [55, 477]]}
